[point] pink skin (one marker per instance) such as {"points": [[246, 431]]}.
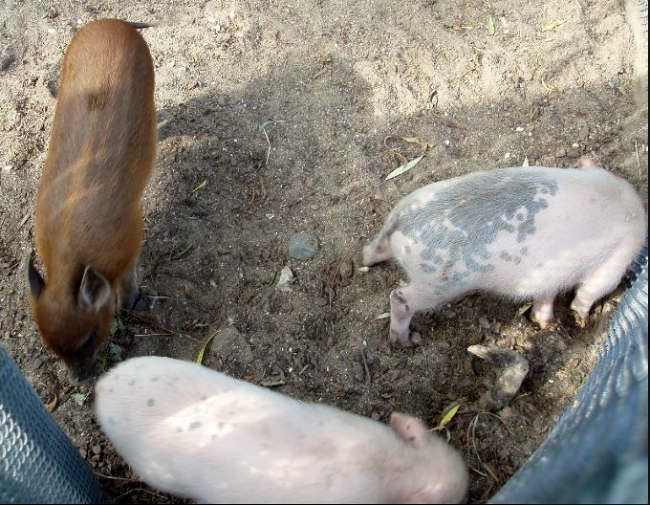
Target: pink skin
{"points": [[585, 234], [197, 433]]}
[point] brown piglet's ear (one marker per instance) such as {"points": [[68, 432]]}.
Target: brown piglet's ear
{"points": [[410, 429], [36, 282], [95, 290]]}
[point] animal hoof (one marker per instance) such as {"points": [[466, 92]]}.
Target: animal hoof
{"points": [[401, 338], [581, 321]]}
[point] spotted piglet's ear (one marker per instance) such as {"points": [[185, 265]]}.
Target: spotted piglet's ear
{"points": [[95, 290], [410, 429]]}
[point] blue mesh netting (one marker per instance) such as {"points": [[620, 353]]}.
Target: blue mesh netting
{"points": [[38, 463]]}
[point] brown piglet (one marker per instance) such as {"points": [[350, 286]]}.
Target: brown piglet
{"points": [[88, 214]]}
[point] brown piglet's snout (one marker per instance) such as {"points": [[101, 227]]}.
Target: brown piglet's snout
{"points": [[88, 223]]}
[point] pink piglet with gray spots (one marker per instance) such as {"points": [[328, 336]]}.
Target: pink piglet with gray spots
{"points": [[521, 232], [200, 434]]}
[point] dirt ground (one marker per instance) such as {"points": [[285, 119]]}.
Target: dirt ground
{"points": [[487, 83]]}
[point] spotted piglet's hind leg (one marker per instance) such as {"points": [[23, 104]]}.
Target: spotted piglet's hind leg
{"points": [[404, 302], [542, 312], [600, 282]]}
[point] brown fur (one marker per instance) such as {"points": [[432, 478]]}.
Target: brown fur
{"points": [[100, 156]]}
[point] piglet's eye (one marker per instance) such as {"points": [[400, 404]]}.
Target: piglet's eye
{"points": [[89, 344]]}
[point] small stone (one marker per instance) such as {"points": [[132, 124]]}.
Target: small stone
{"points": [[321, 302], [229, 343], [416, 338], [548, 160], [442, 346], [507, 413], [286, 278], [483, 322], [375, 416], [96, 449], [573, 153], [511, 369], [7, 58], [51, 13], [303, 246]]}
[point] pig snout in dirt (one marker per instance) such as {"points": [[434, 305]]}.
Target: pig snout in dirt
{"points": [[200, 434], [523, 233]]}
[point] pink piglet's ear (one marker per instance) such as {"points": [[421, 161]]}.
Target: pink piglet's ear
{"points": [[410, 429]]}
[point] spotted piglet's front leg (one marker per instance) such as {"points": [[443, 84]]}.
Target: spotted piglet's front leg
{"points": [[404, 302]]}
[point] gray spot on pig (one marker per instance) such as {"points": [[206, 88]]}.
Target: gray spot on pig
{"points": [[111, 420], [505, 256], [399, 296], [220, 425], [203, 398], [427, 268], [465, 217], [131, 382], [155, 379], [523, 251], [517, 260], [150, 402], [407, 250], [179, 429], [195, 425], [116, 377], [111, 390]]}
